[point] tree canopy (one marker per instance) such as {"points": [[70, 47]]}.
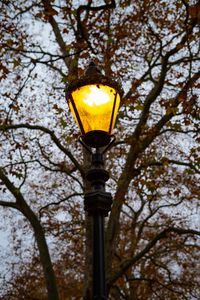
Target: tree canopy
{"points": [[152, 232]]}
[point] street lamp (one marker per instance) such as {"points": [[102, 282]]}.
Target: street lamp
{"points": [[94, 101]]}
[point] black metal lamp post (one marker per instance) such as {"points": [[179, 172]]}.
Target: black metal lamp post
{"points": [[94, 101]]}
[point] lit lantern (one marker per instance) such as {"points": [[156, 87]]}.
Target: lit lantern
{"points": [[94, 101]]}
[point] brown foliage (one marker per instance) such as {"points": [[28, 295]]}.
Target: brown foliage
{"points": [[152, 236]]}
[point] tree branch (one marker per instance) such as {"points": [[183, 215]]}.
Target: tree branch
{"points": [[174, 104], [8, 203], [126, 264], [155, 92], [48, 9], [52, 135], [168, 161], [23, 207], [81, 31], [59, 202]]}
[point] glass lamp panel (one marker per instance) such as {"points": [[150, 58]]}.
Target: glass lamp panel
{"points": [[94, 104]]}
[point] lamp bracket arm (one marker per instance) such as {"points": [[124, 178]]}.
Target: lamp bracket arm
{"points": [[90, 151], [84, 144], [110, 144]]}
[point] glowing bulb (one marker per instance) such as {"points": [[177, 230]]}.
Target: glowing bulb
{"points": [[95, 96]]}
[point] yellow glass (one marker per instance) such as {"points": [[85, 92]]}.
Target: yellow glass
{"points": [[94, 104]]}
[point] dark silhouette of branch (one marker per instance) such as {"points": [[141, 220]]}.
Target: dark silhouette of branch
{"points": [[138, 146], [168, 161], [48, 11], [59, 202], [8, 204], [126, 264], [81, 31], [25, 209], [52, 135]]}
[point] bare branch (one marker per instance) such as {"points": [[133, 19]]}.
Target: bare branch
{"points": [[174, 103], [126, 264], [88, 8], [48, 9], [23, 207], [169, 161], [52, 135], [8, 203], [59, 202]]}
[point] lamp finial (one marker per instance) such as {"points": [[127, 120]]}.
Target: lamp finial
{"points": [[93, 69]]}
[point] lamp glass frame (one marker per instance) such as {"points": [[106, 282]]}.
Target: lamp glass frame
{"points": [[95, 138]]}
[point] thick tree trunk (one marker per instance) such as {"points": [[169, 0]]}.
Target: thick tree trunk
{"points": [[45, 259], [25, 209]]}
